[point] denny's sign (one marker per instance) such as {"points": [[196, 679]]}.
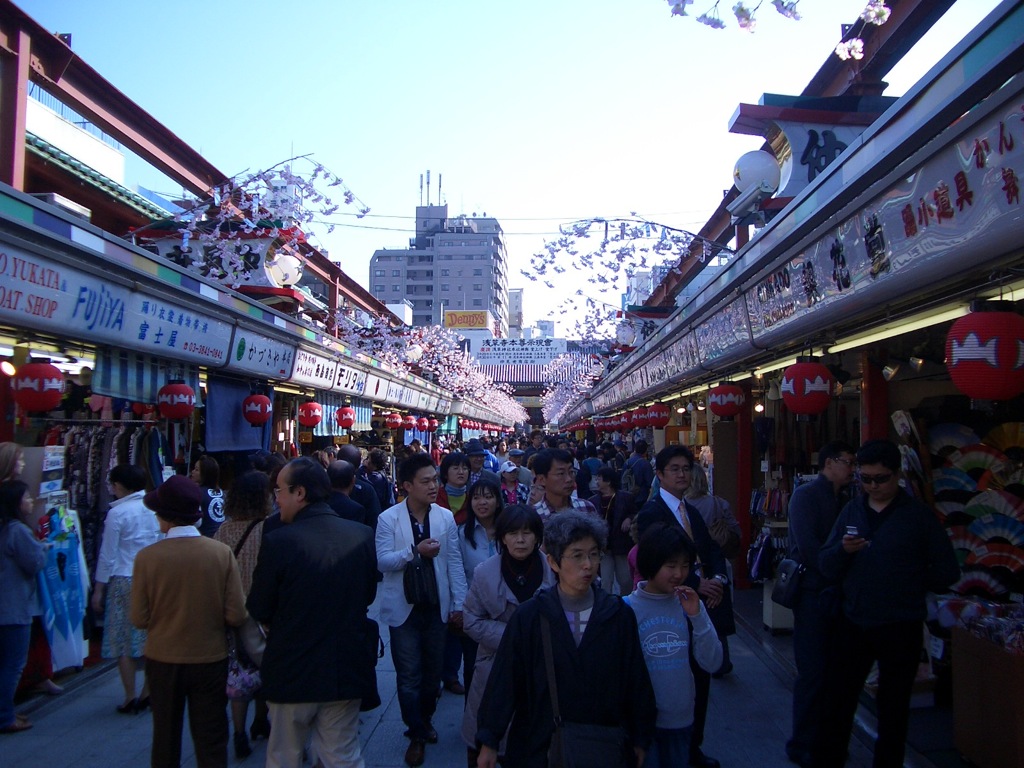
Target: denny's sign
{"points": [[480, 319]]}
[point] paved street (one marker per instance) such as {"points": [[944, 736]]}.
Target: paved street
{"points": [[747, 724]]}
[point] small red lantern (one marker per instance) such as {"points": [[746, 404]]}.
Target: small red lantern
{"points": [[432, 425], [807, 387], [310, 414], [984, 353], [422, 424], [38, 387], [257, 409], [726, 400], [658, 415], [409, 422], [176, 400], [392, 420], [143, 409], [346, 417]]}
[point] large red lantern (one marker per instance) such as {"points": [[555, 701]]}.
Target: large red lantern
{"points": [[409, 422], [807, 387], [310, 414], [38, 387], [658, 415], [392, 420], [176, 400], [257, 409], [422, 424], [640, 417], [346, 417], [726, 400], [985, 353], [432, 425]]}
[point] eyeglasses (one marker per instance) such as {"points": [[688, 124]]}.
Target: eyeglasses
{"points": [[847, 462], [882, 479], [278, 490], [582, 557], [678, 468]]}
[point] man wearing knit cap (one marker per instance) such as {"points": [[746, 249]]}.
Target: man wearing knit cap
{"points": [[186, 589]]}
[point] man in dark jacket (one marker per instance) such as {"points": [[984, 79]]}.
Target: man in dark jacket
{"points": [[813, 510], [343, 478], [362, 492], [887, 550], [314, 580], [674, 465]]}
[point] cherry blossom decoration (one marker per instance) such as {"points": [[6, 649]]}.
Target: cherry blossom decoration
{"points": [[569, 377], [609, 251], [852, 47]]}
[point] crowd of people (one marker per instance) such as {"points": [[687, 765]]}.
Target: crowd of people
{"points": [[583, 592]]}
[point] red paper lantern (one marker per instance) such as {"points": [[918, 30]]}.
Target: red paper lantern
{"points": [[422, 424], [310, 414], [726, 400], [346, 417], [392, 420], [658, 415], [432, 425], [38, 387], [807, 387], [640, 417], [143, 409], [984, 354], [409, 422], [257, 409], [176, 400]]}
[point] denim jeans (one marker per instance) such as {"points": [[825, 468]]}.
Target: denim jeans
{"points": [[670, 748], [14, 640], [417, 650]]}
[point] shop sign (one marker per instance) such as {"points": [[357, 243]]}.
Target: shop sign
{"points": [[724, 334], [519, 351], [409, 397], [174, 331], [255, 353], [376, 388], [479, 319], [350, 379], [43, 295], [314, 370], [964, 199]]}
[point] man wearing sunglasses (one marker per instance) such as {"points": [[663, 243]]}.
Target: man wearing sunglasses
{"points": [[887, 550]]}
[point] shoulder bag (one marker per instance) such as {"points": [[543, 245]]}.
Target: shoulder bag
{"points": [[578, 745], [787, 583], [419, 582]]}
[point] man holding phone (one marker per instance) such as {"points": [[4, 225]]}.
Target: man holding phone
{"points": [[886, 550]]}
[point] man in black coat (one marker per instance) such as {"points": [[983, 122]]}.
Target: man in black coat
{"points": [[343, 478], [314, 581], [673, 466], [362, 492]]}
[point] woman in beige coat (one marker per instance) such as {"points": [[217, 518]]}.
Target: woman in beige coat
{"points": [[499, 585]]}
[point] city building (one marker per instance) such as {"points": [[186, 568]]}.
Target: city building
{"points": [[452, 264]]}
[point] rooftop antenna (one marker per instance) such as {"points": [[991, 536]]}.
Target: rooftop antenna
{"points": [[428, 187], [421, 189], [440, 201]]}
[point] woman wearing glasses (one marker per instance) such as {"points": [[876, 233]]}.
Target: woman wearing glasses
{"points": [[602, 681]]}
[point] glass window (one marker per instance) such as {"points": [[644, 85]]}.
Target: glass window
{"points": [[445, 287], [478, 286], [478, 272], [378, 289], [478, 302], [396, 288], [396, 273], [378, 273], [445, 272]]}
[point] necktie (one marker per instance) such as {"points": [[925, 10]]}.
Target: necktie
{"points": [[685, 519]]}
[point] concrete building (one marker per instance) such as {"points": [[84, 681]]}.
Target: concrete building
{"points": [[455, 263]]}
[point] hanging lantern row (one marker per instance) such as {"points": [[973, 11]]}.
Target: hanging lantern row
{"points": [[985, 352], [38, 387]]}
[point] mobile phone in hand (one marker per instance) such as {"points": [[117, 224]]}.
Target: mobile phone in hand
{"points": [[851, 530]]}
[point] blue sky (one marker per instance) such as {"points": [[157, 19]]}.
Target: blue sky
{"points": [[537, 111]]}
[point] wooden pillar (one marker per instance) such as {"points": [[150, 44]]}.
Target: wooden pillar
{"points": [[734, 471], [874, 401], [14, 70]]}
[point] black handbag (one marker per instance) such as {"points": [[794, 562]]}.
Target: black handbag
{"points": [[579, 745], [787, 583], [419, 582]]}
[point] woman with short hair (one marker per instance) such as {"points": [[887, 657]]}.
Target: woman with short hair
{"points": [[603, 681], [617, 509], [206, 474], [451, 492]]}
